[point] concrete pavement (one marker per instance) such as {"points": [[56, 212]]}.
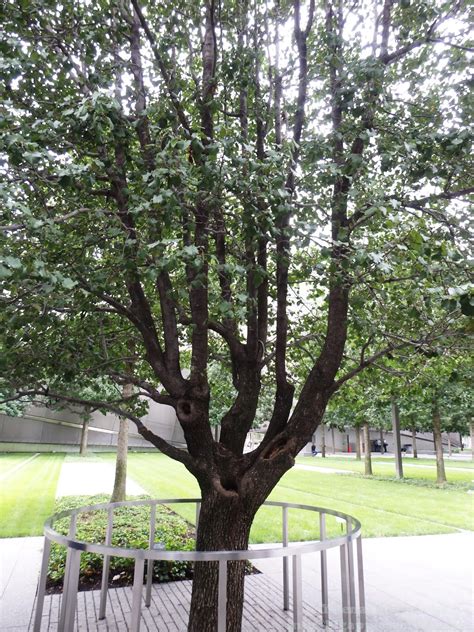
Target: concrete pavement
{"points": [[412, 584]]}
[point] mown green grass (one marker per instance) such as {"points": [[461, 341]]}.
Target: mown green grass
{"points": [[10, 461], [27, 495], [417, 469], [385, 507]]}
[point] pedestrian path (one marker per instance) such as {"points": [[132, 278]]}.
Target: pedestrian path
{"points": [[169, 609], [412, 584], [86, 476], [323, 470]]}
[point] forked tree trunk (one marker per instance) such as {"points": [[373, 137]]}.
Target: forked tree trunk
{"points": [[224, 524], [357, 442], [440, 471], [413, 437], [367, 455]]}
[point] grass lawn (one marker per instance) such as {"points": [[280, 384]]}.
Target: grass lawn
{"points": [[457, 472], [385, 507], [27, 495]]}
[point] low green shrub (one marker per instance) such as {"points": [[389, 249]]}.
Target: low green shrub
{"points": [[131, 529]]}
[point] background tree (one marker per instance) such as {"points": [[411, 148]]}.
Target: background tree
{"points": [[170, 182]]}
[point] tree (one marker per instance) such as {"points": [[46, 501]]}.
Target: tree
{"points": [[169, 182]]}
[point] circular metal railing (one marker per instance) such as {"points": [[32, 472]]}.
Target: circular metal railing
{"points": [[353, 610]]}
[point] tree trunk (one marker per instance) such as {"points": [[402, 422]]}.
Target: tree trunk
{"points": [[382, 447], [471, 428], [450, 447], [413, 437], [367, 456], [397, 439], [357, 442], [334, 441], [440, 471], [323, 441], [224, 524], [120, 492], [120, 481], [84, 435], [461, 445]]}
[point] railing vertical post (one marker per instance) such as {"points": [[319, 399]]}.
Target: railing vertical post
{"points": [[222, 597], [67, 570], [286, 575], [350, 569], [324, 570], [360, 573], [137, 594], [297, 594], [344, 587], [106, 565], [149, 563], [71, 590], [42, 585]]}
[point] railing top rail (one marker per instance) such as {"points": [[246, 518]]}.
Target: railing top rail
{"points": [[199, 556]]}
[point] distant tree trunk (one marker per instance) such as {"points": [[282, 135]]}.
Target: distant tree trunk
{"points": [[461, 444], [397, 439], [334, 441], [367, 455], [450, 447], [119, 493], [357, 441], [413, 436], [440, 471], [84, 436], [382, 447], [471, 427], [323, 441]]}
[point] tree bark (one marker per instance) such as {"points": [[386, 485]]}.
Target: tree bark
{"points": [[224, 524], [84, 436], [357, 442], [382, 447], [333, 441], [396, 437], [367, 455], [450, 447], [413, 436], [323, 441], [440, 471], [120, 483]]}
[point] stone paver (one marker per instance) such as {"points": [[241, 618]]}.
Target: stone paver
{"points": [[20, 560]]}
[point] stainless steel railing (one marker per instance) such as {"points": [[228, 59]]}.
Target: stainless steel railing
{"points": [[353, 606]]}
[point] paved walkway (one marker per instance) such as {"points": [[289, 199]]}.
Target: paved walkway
{"points": [[169, 609], [412, 584], [96, 478]]}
